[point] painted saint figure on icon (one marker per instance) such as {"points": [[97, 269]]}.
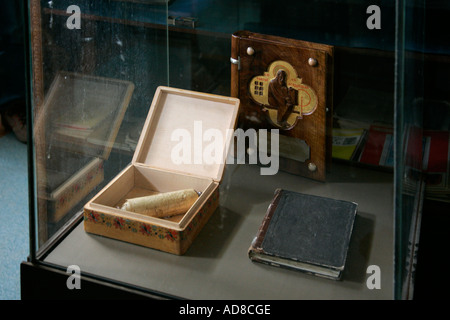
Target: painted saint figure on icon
{"points": [[282, 98], [282, 95]]}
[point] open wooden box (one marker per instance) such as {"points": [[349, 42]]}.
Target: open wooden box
{"points": [[82, 117], [155, 170]]}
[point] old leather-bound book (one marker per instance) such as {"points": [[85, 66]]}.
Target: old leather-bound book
{"points": [[306, 233], [286, 84]]}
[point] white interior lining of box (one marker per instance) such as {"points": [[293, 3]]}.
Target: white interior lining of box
{"points": [[187, 132]]}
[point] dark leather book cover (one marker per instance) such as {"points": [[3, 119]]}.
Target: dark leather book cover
{"points": [[305, 232]]}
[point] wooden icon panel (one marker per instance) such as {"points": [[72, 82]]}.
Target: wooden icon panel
{"points": [[286, 84]]}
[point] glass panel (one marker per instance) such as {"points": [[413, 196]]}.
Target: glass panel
{"points": [[364, 81], [96, 66], [423, 128]]}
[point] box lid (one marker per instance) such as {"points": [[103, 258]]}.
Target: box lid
{"points": [[187, 131], [83, 113]]}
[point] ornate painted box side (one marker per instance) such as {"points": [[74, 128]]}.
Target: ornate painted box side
{"points": [[147, 234]]}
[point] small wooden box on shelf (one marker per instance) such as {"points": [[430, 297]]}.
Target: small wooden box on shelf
{"points": [[174, 115]]}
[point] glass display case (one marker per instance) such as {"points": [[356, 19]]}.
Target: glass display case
{"points": [[367, 82]]}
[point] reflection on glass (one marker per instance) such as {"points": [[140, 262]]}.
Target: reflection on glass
{"points": [[93, 83], [82, 118]]}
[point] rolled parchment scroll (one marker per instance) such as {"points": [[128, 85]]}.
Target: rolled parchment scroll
{"points": [[163, 204]]}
